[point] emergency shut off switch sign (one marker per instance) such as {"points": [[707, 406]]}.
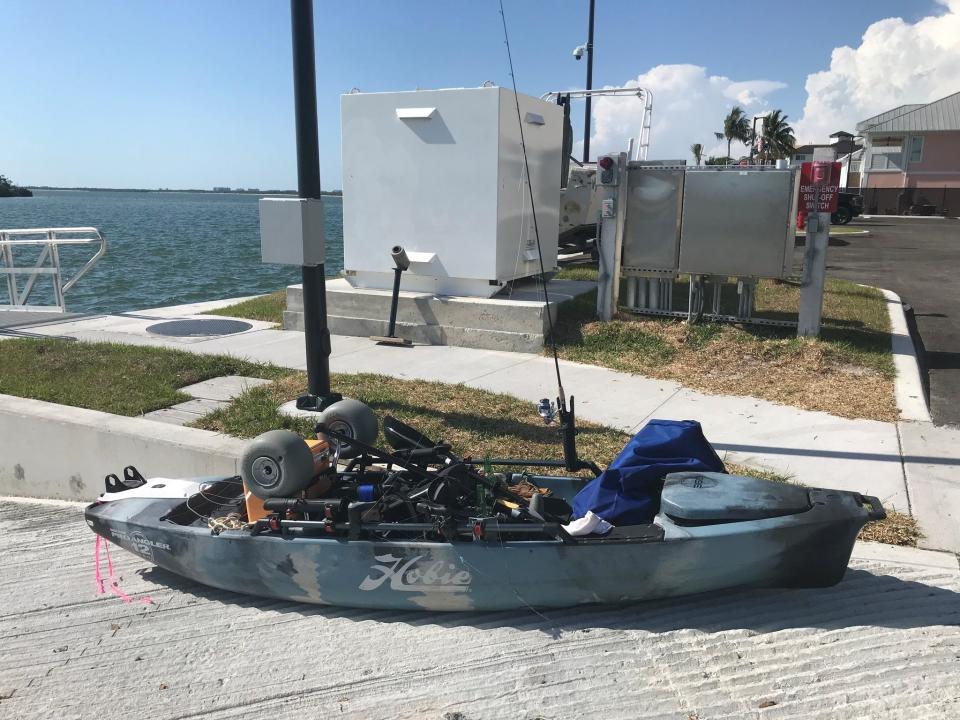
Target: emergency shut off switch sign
{"points": [[819, 187]]}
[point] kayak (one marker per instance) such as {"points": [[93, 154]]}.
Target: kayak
{"points": [[713, 531]]}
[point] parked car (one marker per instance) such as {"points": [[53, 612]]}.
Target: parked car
{"points": [[849, 206]]}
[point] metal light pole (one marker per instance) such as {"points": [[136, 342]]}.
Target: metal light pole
{"points": [[587, 104], [316, 333]]}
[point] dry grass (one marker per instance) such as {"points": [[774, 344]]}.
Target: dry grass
{"points": [[847, 372], [897, 529]]}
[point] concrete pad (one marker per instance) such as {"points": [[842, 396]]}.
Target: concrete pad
{"points": [[811, 447], [434, 363], [251, 345], [136, 324], [223, 388], [172, 416], [931, 459], [200, 406], [881, 644], [515, 319]]}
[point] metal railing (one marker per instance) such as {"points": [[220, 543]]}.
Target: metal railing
{"points": [[639, 145], [46, 263]]}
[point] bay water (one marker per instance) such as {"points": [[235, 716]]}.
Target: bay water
{"points": [[163, 248]]}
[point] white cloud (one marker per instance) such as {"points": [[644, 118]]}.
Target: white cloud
{"points": [[688, 107], [896, 63]]}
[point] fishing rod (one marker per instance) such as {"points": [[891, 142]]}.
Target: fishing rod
{"points": [[568, 424]]}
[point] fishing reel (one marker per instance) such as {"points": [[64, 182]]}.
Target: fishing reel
{"points": [[547, 410]]}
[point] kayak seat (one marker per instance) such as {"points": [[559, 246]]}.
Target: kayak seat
{"points": [[704, 498]]}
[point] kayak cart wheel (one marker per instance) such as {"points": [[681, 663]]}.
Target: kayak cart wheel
{"points": [[352, 418], [277, 463]]}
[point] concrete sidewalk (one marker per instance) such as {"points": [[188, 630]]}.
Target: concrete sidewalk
{"points": [[812, 447], [884, 643]]}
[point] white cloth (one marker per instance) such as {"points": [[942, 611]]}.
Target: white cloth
{"points": [[589, 524]]}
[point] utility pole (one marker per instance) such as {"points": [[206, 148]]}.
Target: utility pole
{"points": [[316, 333], [587, 103]]}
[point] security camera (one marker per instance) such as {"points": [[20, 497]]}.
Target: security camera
{"points": [[578, 51]]}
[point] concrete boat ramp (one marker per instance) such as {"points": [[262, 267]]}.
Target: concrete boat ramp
{"points": [[885, 643]]}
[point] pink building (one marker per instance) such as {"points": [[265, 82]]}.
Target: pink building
{"points": [[911, 158]]}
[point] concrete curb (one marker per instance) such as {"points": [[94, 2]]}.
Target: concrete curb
{"points": [[911, 400], [60, 452], [906, 217]]}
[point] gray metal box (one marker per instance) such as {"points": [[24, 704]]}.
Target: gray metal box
{"points": [[651, 235], [292, 231], [738, 222]]}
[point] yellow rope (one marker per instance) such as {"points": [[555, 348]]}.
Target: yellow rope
{"points": [[233, 521]]}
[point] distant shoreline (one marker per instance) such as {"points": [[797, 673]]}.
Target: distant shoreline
{"points": [[190, 190]]}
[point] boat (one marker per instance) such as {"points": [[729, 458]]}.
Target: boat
{"points": [[464, 538]]}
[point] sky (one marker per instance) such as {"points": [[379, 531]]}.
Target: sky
{"points": [[187, 94]]}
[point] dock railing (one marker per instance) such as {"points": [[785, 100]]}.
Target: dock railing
{"points": [[45, 263]]}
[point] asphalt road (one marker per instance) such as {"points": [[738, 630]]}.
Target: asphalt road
{"points": [[918, 259]]}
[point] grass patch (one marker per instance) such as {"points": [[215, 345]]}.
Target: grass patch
{"points": [[268, 308], [848, 371], [119, 379], [476, 422]]}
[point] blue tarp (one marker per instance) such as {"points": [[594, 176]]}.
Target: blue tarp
{"points": [[628, 492]]}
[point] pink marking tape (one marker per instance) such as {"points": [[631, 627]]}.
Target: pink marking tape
{"points": [[113, 581]]}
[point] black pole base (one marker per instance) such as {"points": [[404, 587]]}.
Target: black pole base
{"points": [[317, 403]]}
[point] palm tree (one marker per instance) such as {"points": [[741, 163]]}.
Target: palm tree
{"points": [[697, 150], [735, 127], [777, 135]]}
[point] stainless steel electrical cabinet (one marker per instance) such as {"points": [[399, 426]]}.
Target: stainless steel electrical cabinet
{"points": [[738, 222]]}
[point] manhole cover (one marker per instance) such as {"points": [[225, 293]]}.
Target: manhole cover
{"points": [[198, 328]]}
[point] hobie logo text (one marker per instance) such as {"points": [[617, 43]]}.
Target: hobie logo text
{"points": [[410, 575]]}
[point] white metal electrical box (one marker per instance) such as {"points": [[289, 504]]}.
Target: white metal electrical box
{"points": [[441, 173], [292, 231]]}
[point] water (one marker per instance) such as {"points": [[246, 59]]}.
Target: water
{"points": [[164, 248]]}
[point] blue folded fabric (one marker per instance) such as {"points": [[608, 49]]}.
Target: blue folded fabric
{"points": [[628, 492]]}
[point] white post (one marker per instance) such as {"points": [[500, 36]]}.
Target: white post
{"points": [[814, 264], [814, 274], [613, 210]]}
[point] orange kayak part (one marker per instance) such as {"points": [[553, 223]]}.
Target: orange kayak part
{"points": [[321, 463]]}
